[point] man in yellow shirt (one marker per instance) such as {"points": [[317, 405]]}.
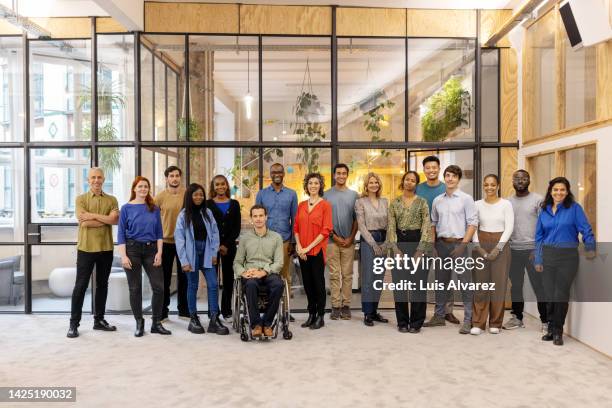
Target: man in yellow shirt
{"points": [[96, 212], [170, 203]]}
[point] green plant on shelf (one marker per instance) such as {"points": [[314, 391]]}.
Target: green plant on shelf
{"points": [[445, 111]]}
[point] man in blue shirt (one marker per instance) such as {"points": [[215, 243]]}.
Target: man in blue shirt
{"points": [[281, 202], [430, 189]]}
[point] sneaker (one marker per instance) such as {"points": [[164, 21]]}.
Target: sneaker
{"points": [[345, 313], [257, 331], [466, 328], [475, 331], [435, 321], [513, 323], [544, 328], [335, 313], [494, 330]]}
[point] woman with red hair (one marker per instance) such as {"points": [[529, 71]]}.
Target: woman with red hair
{"points": [[140, 245]]}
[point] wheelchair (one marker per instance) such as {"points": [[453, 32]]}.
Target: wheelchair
{"points": [[241, 321]]}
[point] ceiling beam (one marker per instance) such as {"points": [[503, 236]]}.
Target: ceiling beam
{"points": [[130, 14]]}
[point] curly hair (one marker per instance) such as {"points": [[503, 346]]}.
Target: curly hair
{"points": [[319, 177]]}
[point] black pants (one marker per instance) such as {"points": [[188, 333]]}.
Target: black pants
{"points": [[168, 258], [560, 269], [142, 255], [86, 261], [227, 271], [415, 316], [313, 269], [272, 285], [519, 262]]}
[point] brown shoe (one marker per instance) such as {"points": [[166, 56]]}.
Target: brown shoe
{"points": [[268, 332], [451, 318], [345, 313], [256, 331]]}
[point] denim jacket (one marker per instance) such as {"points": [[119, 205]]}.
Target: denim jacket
{"points": [[185, 243]]}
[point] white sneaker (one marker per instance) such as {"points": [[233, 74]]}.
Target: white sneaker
{"points": [[544, 328], [494, 330], [475, 331]]}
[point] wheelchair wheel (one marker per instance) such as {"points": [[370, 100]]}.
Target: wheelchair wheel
{"points": [[244, 337], [287, 335]]}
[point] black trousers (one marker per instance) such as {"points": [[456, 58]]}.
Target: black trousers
{"points": [[519, 262], [168, 258], [313, 269], [271, 284], [227, 272], [142, 256], [415, 316], [86, 261], [560, 269]]}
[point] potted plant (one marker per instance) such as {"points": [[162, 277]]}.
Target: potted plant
{"points": [[307, 110]]}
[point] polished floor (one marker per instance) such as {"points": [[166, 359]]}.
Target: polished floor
{"points": [[343, 364]]}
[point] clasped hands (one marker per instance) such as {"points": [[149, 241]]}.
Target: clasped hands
{"points": [[254, 273]]}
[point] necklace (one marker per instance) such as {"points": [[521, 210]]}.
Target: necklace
{"points": [[313, 203]]}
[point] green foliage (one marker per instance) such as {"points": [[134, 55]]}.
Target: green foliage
{"points": [[194, 129], [444, 112], [307, 111], [244, 172], [375, 120]]}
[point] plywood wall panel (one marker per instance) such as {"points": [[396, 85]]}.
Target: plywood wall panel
{"points": [[371, 22], [191, 17], [441, 23], [297, 20]]}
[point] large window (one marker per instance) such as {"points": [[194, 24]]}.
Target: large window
{"points": [[296, 89], [11, 195], [441, 90], [11, 89], [60, 90], [371, 89]]}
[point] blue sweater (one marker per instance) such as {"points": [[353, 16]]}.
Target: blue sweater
{"points": [[138, 223], [561, 230]]}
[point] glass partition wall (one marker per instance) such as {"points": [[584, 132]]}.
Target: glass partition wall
{"points": [[219, 104]]}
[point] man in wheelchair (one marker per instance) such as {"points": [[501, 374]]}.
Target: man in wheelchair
{"points": [[258, 262]]}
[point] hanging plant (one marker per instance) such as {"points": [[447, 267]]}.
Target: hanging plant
{"points": [[375, 120], [446, 111]]}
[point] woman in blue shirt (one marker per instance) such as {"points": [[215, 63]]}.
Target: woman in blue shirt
{"points": [[227, 215], [140, 245], [197, 243], [556, 256]]}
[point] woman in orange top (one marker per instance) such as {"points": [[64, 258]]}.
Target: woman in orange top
{"points": [[313, 223]]}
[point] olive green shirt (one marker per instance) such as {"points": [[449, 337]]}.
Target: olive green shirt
{"points": [[170, 206], [259, 252], [414, 217], [96, 239]]}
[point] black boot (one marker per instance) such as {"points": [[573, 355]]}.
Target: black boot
{"points": [[309, 321], [318, 323], [101, 324], [157, 327], [549, 335], [215, 325], [194, 325], [73, 330], [558, 337], [367, 320], [139, 328]]}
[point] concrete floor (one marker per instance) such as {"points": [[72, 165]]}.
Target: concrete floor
{"points": [[343, 364]]}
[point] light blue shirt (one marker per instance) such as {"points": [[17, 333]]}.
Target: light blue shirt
{"points": [[282, 207], [451, 215], [185, 242]]}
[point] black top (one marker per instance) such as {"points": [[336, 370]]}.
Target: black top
{"points": [[228, 223], [199, 228]]}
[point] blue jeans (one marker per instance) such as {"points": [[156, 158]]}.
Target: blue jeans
{"points": [[212, 286], [370, 297]]}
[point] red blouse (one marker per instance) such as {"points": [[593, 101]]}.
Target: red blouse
{"points": [[308, 225]]}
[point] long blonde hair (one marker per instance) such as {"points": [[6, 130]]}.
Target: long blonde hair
{"points": [[366, 180]]}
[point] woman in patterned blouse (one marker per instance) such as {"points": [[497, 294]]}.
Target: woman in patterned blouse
{"points": [[372, 212], [409, 232]]}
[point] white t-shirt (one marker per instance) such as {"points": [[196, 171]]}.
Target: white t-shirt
{"points": [[496, 217]]}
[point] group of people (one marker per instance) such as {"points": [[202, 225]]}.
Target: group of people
{"points": [[432, 219]]}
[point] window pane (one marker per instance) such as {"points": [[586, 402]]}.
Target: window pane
{"points": [[371, 86], [239, 165], [580, 83], [57, 177], [296, 89], [540, 78], [490, 96], [11, 195], [489, 163], [462, 158], [60, 90], [119, 165], [298, 162], [156, 160], [11, 89], [388, 164], [12, 281], [541, 168], [223, 74], [115, 87], [440, 90], [580, 170], [162, 80]]}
